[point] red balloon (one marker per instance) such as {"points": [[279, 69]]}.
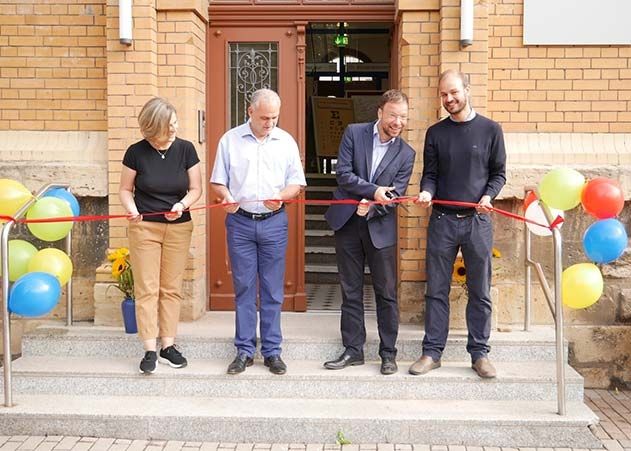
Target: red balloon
{"points": [[603, 198], [531, 196]]}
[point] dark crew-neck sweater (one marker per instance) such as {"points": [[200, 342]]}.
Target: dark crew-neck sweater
{"points": [[464, 161]]}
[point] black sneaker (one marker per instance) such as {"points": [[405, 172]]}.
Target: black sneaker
{"points": [[148, 363], [172, 357]]}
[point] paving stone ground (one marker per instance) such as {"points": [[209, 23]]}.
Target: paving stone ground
{"points": [[613, 407]]}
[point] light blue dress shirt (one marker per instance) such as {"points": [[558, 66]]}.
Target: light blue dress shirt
{"points": [[379, 149], [254, 170]]}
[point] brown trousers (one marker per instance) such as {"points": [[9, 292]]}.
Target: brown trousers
{"points": [[158, 254]]}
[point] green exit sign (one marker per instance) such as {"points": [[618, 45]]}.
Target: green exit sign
{"points": [[341, 40]]}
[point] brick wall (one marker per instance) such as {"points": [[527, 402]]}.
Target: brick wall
{"points": [[52, 65], [554, 88], [420, 67], [132, 79], [167, 59]]}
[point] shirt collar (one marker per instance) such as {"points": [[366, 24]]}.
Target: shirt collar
{"points": [[470, 117], [375, 131], [247, 130]]}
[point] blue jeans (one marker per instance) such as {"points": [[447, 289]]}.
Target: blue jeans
{"points": [[257, 256], [474, 236]]}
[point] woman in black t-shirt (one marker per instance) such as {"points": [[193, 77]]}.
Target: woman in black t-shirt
{"points": [[161, 173]]}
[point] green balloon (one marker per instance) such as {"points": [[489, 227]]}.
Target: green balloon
{"points": [[561, 188], [49, 207], [20, 254]]}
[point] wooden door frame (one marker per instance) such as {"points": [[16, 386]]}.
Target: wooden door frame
{"points": [[295, 17]]}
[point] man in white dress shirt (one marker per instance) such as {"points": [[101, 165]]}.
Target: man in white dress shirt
{"points": [[258, 161]]}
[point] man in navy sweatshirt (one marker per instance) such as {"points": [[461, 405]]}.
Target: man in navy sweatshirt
{"points": [[464, 160]]}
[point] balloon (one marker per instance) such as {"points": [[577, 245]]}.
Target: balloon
{"points": [[52, 261], [534, 212], [561, 188], [66, 195], [605, 240], [531, 196], [603, 198], [34, 294], [20, 253], [49, 207], [582, 285], [12, 196]]}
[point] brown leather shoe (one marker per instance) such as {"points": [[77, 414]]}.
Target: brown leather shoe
{"points": [[424, 365], [484, 368]]}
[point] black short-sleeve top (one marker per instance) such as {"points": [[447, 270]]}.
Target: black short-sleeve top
{"points": [[160, 182]]}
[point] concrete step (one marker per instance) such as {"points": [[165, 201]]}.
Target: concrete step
{"points": [[327, 268], [324, 250], [319, 192], [519, 381], [318, 232], [321, 179], [320, 255], [317, 224], [307, 336], [296, 420], [316, 209], [320, 237]]}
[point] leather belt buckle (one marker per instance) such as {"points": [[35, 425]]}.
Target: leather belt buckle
{"points": [[465, 215]]}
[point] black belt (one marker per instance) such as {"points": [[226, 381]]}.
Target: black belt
{"points": [[462, 213], [259, 216]]}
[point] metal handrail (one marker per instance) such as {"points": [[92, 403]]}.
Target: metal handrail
{"points": [[6, 320], [556, 306]]}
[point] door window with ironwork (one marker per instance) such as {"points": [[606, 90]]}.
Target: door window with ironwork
{"points": [[252, 66]]}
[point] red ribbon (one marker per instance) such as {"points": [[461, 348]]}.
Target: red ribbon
{"points": [[397, 200]]}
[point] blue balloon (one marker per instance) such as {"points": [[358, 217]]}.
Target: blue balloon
{"points": [[34, 294], [63, 194], [605, 240]]}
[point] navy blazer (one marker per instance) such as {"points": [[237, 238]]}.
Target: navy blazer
{"points": [[353, 172]]}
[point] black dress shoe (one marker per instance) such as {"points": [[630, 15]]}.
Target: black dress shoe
{"points": [[239, 363], [275, 364], [346, 359], [388, 365]]}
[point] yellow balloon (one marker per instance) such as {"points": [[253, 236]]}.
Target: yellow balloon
{"points": [[49, 207], [562, 188], [582, 285], [52, 261], [12, 196]]}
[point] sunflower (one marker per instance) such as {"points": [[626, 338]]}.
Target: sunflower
{"points": [[459, 274], [118, 266], [121, 271], [121, 252]]}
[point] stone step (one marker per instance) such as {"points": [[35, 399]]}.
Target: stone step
{"points": [[316, 209], [324, 250], [320, 255], [307, 336], [520, 381], [316, 222], [319, 237], [318, 232], [296, 420], [321, 179], [328, 268]]}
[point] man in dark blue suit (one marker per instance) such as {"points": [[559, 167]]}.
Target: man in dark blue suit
{"points": [[373, 164]]}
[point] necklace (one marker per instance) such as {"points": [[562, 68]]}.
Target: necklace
{"points": [[162, 152]]}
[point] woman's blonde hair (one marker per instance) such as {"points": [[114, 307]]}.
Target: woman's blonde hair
{"points": [[155, 117]]}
